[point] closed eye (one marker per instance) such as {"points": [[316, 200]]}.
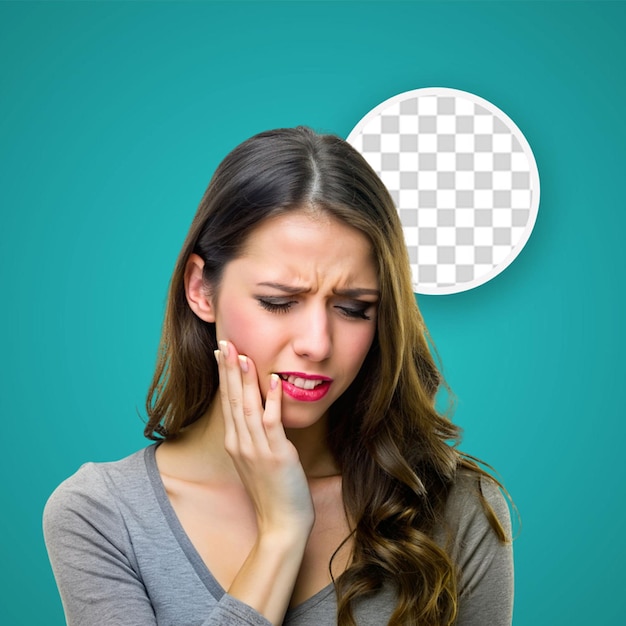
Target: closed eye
{"points": [[282, 305], [276, 305], [357, 312]]}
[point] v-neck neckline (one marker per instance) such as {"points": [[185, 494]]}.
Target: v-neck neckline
{"points": [[193, 556]]}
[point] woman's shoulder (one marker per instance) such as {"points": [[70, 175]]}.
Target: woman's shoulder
{"points": [[476, 532], [473, 496], [99, 488]]}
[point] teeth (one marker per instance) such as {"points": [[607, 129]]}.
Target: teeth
{"points": [[302, 383]]}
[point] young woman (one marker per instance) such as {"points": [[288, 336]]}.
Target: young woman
{"points": [[301, 474]]}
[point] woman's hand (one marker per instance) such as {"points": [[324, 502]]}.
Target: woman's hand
{"points": [[267, 462], [270, 470]]}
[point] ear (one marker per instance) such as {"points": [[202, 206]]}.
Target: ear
{"points": [[199, 300]]}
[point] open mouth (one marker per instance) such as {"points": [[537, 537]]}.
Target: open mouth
{"points": [[305, 387], [304, 383]]}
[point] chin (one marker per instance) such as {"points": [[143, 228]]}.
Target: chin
{"points": [[299, 420]]}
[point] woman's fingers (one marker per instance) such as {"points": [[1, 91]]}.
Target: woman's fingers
{"points": [[231, 396], [272, 417], [242, 404], [252, 403]]}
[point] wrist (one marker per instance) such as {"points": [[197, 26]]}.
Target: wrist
{"points": [[285, 538]]}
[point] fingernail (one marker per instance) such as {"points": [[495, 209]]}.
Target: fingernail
{"points": [[224, 347], [243, 362], [274, 378], [217, 355]]}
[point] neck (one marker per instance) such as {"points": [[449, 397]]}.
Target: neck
{"points": [[312, 448]]}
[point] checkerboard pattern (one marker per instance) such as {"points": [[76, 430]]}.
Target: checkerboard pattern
{"points": [[464, 181]]}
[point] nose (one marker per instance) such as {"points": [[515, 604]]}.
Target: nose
{"points": [[313, 337]]}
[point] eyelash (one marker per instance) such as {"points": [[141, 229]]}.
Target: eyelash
{"points": [[275, 307], [283, 307]]}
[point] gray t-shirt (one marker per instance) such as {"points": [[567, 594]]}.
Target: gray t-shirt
{"points": [[121, 558]]}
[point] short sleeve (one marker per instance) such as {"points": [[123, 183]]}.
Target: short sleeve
{"points": [[91, 555], [485, 561]]}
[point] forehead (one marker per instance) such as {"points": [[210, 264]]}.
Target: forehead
{"points": [[308, 245]]}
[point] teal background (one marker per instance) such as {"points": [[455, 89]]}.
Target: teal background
{"points": [[113, 117]]}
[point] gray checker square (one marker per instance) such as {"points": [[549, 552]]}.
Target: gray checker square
{"points": [[469, 176]]}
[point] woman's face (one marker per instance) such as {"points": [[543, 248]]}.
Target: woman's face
{"points": [[301, 302]]}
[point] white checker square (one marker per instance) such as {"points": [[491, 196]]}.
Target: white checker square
{"points": [[465, 255], [446, 162], [446, 274], [410, 235], [426, 180], [502, 180], [483, 124], [500, 253], [502, 218], [427, 143], [465, 144], [464, 218], [446, 124], [389, 143], [446, 236], [427, 218], [465, 107], [427, 255], [409, 161], [483, 161], [517, 233], [391, 179], [502, 142], [427, 105], [407, 198], [482, 268], [446, 199], [519, 162], [408, 125], [520, 199], [393, 110], [358, 143], [483, 236], [465, 180], [375, 160], [483, 199]]}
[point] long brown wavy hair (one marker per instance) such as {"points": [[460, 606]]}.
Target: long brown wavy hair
{"points": [[397, 454]]}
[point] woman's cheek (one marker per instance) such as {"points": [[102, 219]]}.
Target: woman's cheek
{"points": [[247, 331], [235, 327]]}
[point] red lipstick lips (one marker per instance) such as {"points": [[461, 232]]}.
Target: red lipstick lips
{"points": [[305, 387]]}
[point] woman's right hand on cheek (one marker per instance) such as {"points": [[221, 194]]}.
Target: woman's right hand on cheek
{"points": [[267, 462], [270, 469]]}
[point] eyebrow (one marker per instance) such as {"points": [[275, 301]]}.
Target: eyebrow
{"points": [[355, 292]]}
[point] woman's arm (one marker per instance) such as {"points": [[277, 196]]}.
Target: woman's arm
{"points": [[91, 556], [486, 586], [270, 469]]}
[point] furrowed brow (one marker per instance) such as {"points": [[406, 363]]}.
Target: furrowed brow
{"points": [[346, 293], [284, 288], [356, 292]]}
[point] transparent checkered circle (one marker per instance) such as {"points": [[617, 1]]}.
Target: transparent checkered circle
{"points": [[464, 181]]}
